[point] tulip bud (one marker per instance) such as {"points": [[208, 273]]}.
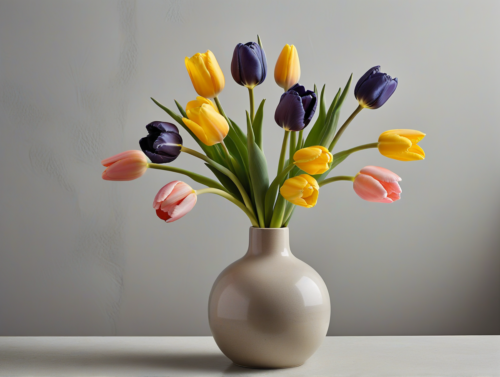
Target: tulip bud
{"points": [[249, 64], [301, 190], [125, 166], [296, 108], [174, 200], [205, 73], [313, 160], [287, 70], [374, 88], [376, 184], [163, 142], [401, 145], [205, 121]]}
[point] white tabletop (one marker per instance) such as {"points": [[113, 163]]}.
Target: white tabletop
{"points": [[199, 356]]}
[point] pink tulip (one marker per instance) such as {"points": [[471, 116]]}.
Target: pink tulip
{"points": [[125, 166], [377, 184], [174, 200]]}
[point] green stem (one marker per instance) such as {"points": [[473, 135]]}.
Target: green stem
{"points": [[290, 208], [281, 162], [231, 198], [293, 144], [299, 142], [360, 148], [222, 169], [227, 155], [194, 176], [272, 191], [344, 126], [279, 211], [252, 104], [335, 179]]}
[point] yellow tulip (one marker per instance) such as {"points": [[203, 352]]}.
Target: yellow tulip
{"points": [[301, 190], [205, 121], [205, 73], [401, 145], [287, 70], [313, 160]]}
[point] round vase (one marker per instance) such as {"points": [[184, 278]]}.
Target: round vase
{"points": [[269, 309]]}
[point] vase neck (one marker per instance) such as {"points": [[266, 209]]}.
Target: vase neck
{"points": [[269, 242]]}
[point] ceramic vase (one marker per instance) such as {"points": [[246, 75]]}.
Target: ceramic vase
{"points": [[269, 309]]}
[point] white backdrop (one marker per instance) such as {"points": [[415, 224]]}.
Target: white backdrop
{"points": [[81, 256]]}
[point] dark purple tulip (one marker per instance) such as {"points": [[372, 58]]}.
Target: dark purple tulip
{"points": [[162, 143], [374, 88], [296, 108], [249, 65]]}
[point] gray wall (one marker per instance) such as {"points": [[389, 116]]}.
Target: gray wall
{"points": [[81, 256]]}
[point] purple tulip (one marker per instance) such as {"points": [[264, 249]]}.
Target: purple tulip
{"points": [[296, 108], [249, 65], [162, 143], [374, 88]]}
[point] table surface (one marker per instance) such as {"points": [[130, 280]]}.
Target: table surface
{"points": [[199, 356]]}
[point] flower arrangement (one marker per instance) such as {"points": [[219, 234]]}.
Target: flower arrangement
{"points": [[237, 159]]}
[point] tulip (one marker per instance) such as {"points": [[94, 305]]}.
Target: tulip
{"points": [[374, 88], [313, 160], [376, 184], [249, 65], [205, 73], [287, 70], [174, 200], [301, 190], [163, 144], [125, 166], [401, 145], [296, 108], [205, 121]]}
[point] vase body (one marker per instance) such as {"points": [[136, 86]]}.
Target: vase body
{"points": [[269, 309]]}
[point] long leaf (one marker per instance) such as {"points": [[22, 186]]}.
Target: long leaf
{"points": [[257, 124], [181, 109], [333, 118], [239, 167], [258, 172], [314, 136]]}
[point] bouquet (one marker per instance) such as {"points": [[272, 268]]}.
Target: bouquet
{"points": [[237, 159]]}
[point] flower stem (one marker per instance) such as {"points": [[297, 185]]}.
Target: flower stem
{"points": [[194, 176], [281, 162], [299, 142], [221, 111], [231, 198], [228, 156], [335, 179], [222, 169], [344, 126], [252, 104], [279, 211], [293, 144], [360, 148]]}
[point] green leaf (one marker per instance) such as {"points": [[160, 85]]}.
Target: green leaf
{"points": [[258, 172], [227, 182], [272, 192], [326, 130], [181, 109], [257, 124], [333, 118], [314, 136], [237, 130], [239, 165]]}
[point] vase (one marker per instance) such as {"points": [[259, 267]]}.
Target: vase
{"points": [[269, 309]]}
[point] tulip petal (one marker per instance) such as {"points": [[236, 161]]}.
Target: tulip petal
{"points": [[200, 76], [290, 112], [365, 77], [182, 208], [127, 169], [368, 188], [197, 130], [163, 193], [281, 68], [216, 75], [120, 156], [250, 66], [179, 192], [380, 174]]}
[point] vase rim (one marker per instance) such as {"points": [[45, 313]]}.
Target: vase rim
{"points": [[258, 228]]}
